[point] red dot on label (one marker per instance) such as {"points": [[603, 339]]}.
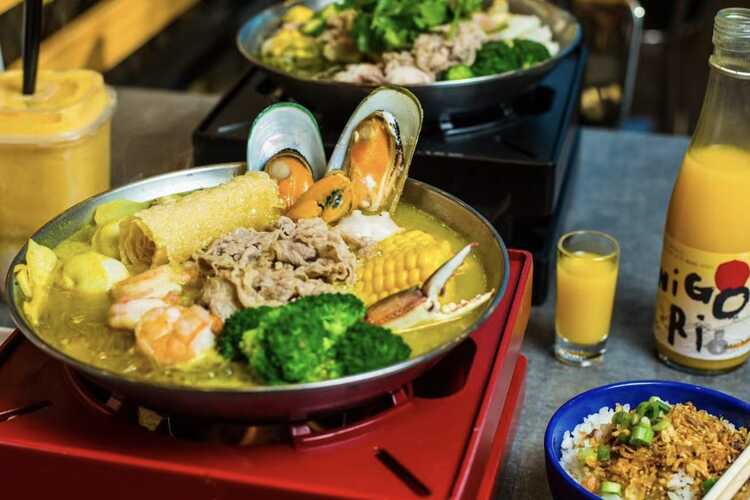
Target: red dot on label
{"points": [[731, 274]]}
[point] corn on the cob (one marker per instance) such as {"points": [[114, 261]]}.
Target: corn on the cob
{"points": [[402, 261]]}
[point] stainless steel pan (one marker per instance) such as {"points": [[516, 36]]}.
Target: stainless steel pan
{"points": [[265, 403], [438, 98]]}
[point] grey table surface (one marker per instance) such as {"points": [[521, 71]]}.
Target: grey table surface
{"points": [[622, 186]]}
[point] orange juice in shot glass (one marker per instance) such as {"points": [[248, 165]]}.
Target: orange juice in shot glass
{"points": [[587, 265]]}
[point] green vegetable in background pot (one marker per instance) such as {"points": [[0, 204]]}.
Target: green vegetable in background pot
{"points": [[500, 56], [458, 72], [463, 9], [365, 37], [383, 25], [530, 52], [431, 13], [314, 26], [329, 10], [495, 57]]}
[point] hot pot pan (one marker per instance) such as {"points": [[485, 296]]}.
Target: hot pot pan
{"points": [[438, 99], [277, 402]]}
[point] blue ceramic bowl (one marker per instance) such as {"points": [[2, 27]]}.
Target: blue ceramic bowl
{"points": [[562, 485]]}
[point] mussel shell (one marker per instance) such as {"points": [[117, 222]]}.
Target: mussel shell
{"points": [[286, 126], [286, 153], [391, 103]]}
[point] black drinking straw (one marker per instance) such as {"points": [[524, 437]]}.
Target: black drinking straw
{"points": [[32, 34]]}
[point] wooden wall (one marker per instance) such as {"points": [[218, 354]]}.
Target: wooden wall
{"points": [[102, 35]]}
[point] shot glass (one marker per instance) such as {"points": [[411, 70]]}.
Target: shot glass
{"points": [[587, 265]]}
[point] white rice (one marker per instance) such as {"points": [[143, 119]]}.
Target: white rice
{"points": [[600, 424], [595, 428], [679, 486]]}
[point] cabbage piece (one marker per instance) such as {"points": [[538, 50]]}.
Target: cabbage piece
{"points": [[116, 210], [35, 279], [106, 239], [70, 248]]}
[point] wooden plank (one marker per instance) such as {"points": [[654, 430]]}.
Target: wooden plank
{"points": [[107, 33]]}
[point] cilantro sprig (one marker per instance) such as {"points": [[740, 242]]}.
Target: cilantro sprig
{"points": [[385, 25]]}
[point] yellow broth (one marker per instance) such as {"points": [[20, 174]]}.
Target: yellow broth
{"points": [[75, 323], [468, 282]]}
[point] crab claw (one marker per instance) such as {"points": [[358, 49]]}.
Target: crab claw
{"points": [[435, 284], [413, 307], [395, 306]]}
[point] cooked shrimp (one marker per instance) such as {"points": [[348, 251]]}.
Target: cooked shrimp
{"points": [[125, 315], [134, 296], [152, 284], [175, 335]]}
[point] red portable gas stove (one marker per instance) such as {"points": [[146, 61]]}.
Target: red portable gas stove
{"points": [[444, 435]]}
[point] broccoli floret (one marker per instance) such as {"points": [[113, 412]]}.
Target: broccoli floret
{"points": [[314, 338], [496, 57], [337, 311], [295, 343], [530, 52], [367, 347], [228, 340], [458, 72]]}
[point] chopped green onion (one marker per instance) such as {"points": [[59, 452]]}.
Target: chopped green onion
{"points": [[666, 408], [621, 418], [609, 487], [603, 453], [642, 436], [586, 455], [641, 409], [609, 496], [708, 484], [661, 425], [645, 421], [624, 436], [635, 419]]}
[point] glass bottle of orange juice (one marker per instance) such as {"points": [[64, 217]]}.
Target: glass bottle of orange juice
{"points": [[702, 321]]}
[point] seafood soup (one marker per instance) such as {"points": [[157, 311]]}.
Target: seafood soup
{"points": [[296, 271]]}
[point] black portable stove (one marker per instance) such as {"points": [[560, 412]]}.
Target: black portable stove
{"points": [[511, 160]]}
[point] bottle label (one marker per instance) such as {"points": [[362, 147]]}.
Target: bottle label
{"points": [[702, 309]]}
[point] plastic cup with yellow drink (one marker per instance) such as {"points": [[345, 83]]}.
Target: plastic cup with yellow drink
{"points": [[54, 150]]}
